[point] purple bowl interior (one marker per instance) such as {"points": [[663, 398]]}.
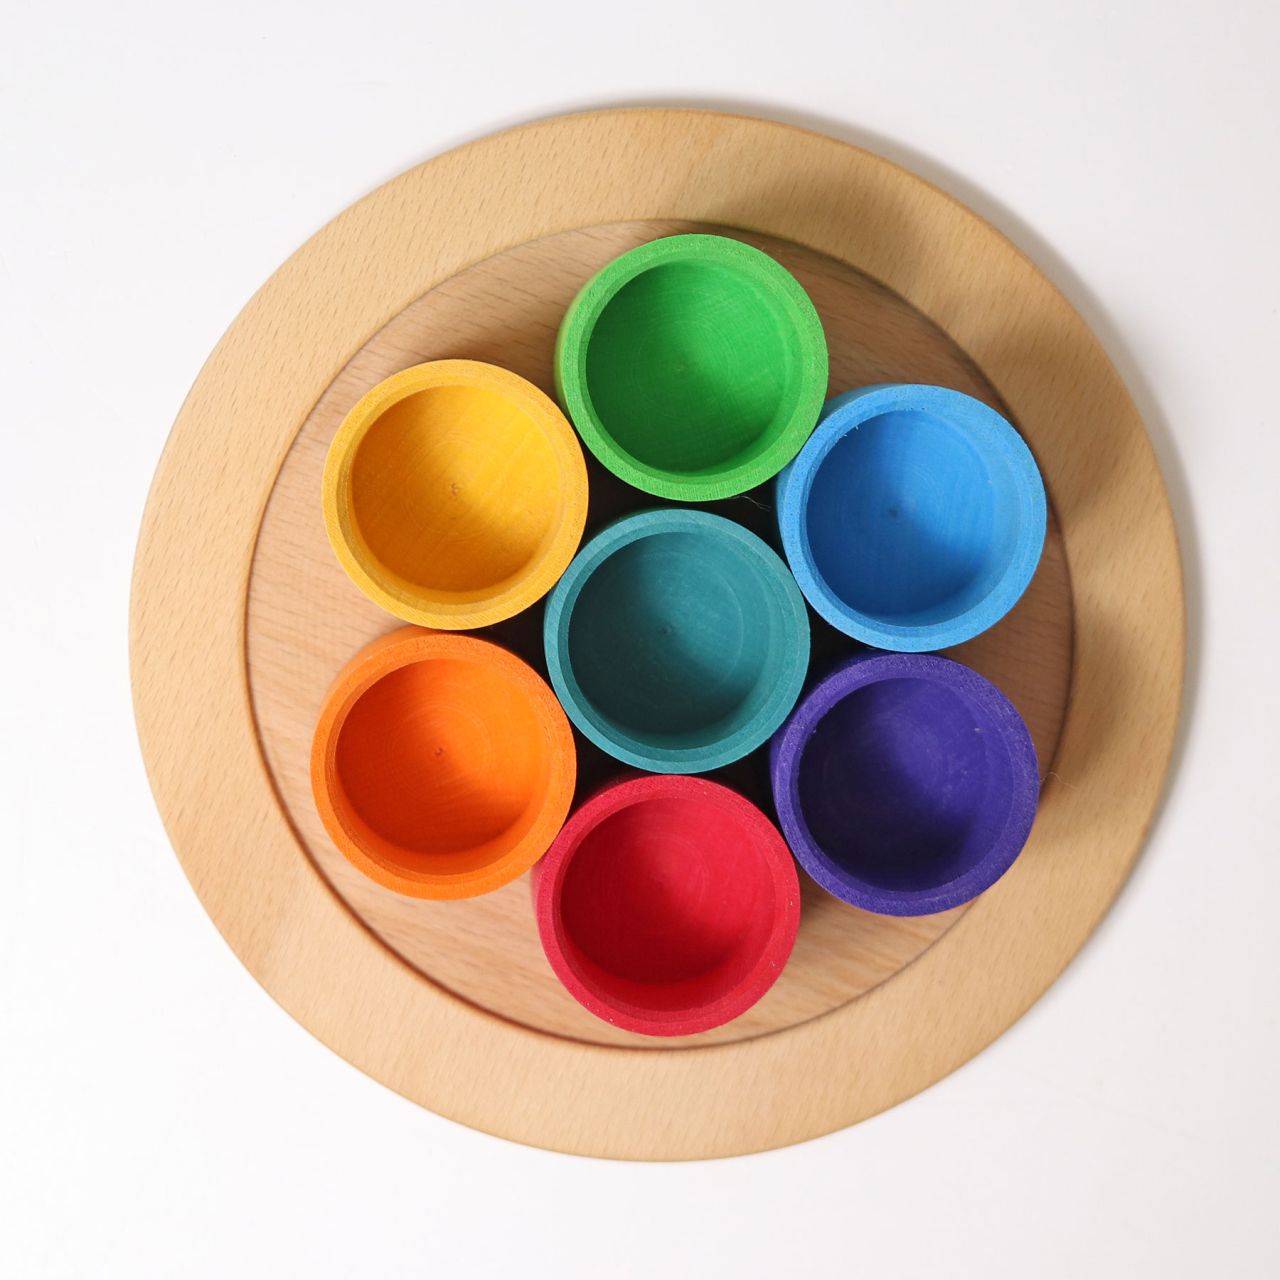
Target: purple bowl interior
{"points": [[905, 783], [904, 786]]}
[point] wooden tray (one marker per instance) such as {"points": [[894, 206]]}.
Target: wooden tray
{"points": [[241, 616]]}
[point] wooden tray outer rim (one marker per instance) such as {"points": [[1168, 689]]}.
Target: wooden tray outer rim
{"points": [[188, 633]]}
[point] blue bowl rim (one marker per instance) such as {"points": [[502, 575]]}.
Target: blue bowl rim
{"points": [[992, 435]]}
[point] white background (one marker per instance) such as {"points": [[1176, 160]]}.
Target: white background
{"points": [[159, 1115]]}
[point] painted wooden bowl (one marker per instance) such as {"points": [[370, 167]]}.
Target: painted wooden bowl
{"points": [[913, 518], [694, 366], [454, 494], [442, 765], [668, 905], [677, 641], [905, 784]]}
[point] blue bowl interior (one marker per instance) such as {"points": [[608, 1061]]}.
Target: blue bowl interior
{"points": [[908, 524]]}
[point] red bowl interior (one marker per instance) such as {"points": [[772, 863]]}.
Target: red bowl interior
{"points": [[668, 905]]}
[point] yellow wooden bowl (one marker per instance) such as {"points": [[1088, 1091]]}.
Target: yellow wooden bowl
{"points": [[455, 494]]}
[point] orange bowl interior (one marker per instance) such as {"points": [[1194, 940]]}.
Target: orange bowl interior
{"points": [[449, 765]]}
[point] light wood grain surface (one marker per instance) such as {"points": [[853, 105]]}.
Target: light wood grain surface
{"points": [[306, 619], [191, 641]]}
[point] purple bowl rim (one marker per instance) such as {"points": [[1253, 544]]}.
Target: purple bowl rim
{"points": [[787, 749]]}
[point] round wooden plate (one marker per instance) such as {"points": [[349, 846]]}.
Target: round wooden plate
{"points": [[241, 616]]}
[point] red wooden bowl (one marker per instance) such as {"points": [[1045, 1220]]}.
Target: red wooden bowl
{"points": [[668, 905]]}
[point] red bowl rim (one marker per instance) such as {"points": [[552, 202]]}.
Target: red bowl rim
{"points": [[548, 879]]}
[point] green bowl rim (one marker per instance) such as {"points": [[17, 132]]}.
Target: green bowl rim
{"points": [[711, 483]]}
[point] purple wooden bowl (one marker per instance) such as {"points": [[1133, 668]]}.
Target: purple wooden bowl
{"points": [[905, 783]]}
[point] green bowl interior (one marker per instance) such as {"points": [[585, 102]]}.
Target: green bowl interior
{"points": [[692, 366]]}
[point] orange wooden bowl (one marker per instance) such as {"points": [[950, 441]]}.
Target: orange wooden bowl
{"points": [[442, 766]]}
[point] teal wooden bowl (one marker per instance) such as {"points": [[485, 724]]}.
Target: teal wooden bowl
{"points": [[677, 641]]}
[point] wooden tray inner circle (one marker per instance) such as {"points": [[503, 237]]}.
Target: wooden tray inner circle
{"points": [[305, 619]]}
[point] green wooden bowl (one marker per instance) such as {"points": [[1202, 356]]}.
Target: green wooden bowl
{"points": [[693, 367]]}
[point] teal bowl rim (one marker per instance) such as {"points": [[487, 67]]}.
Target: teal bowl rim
{"points": [[596, 728]]}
